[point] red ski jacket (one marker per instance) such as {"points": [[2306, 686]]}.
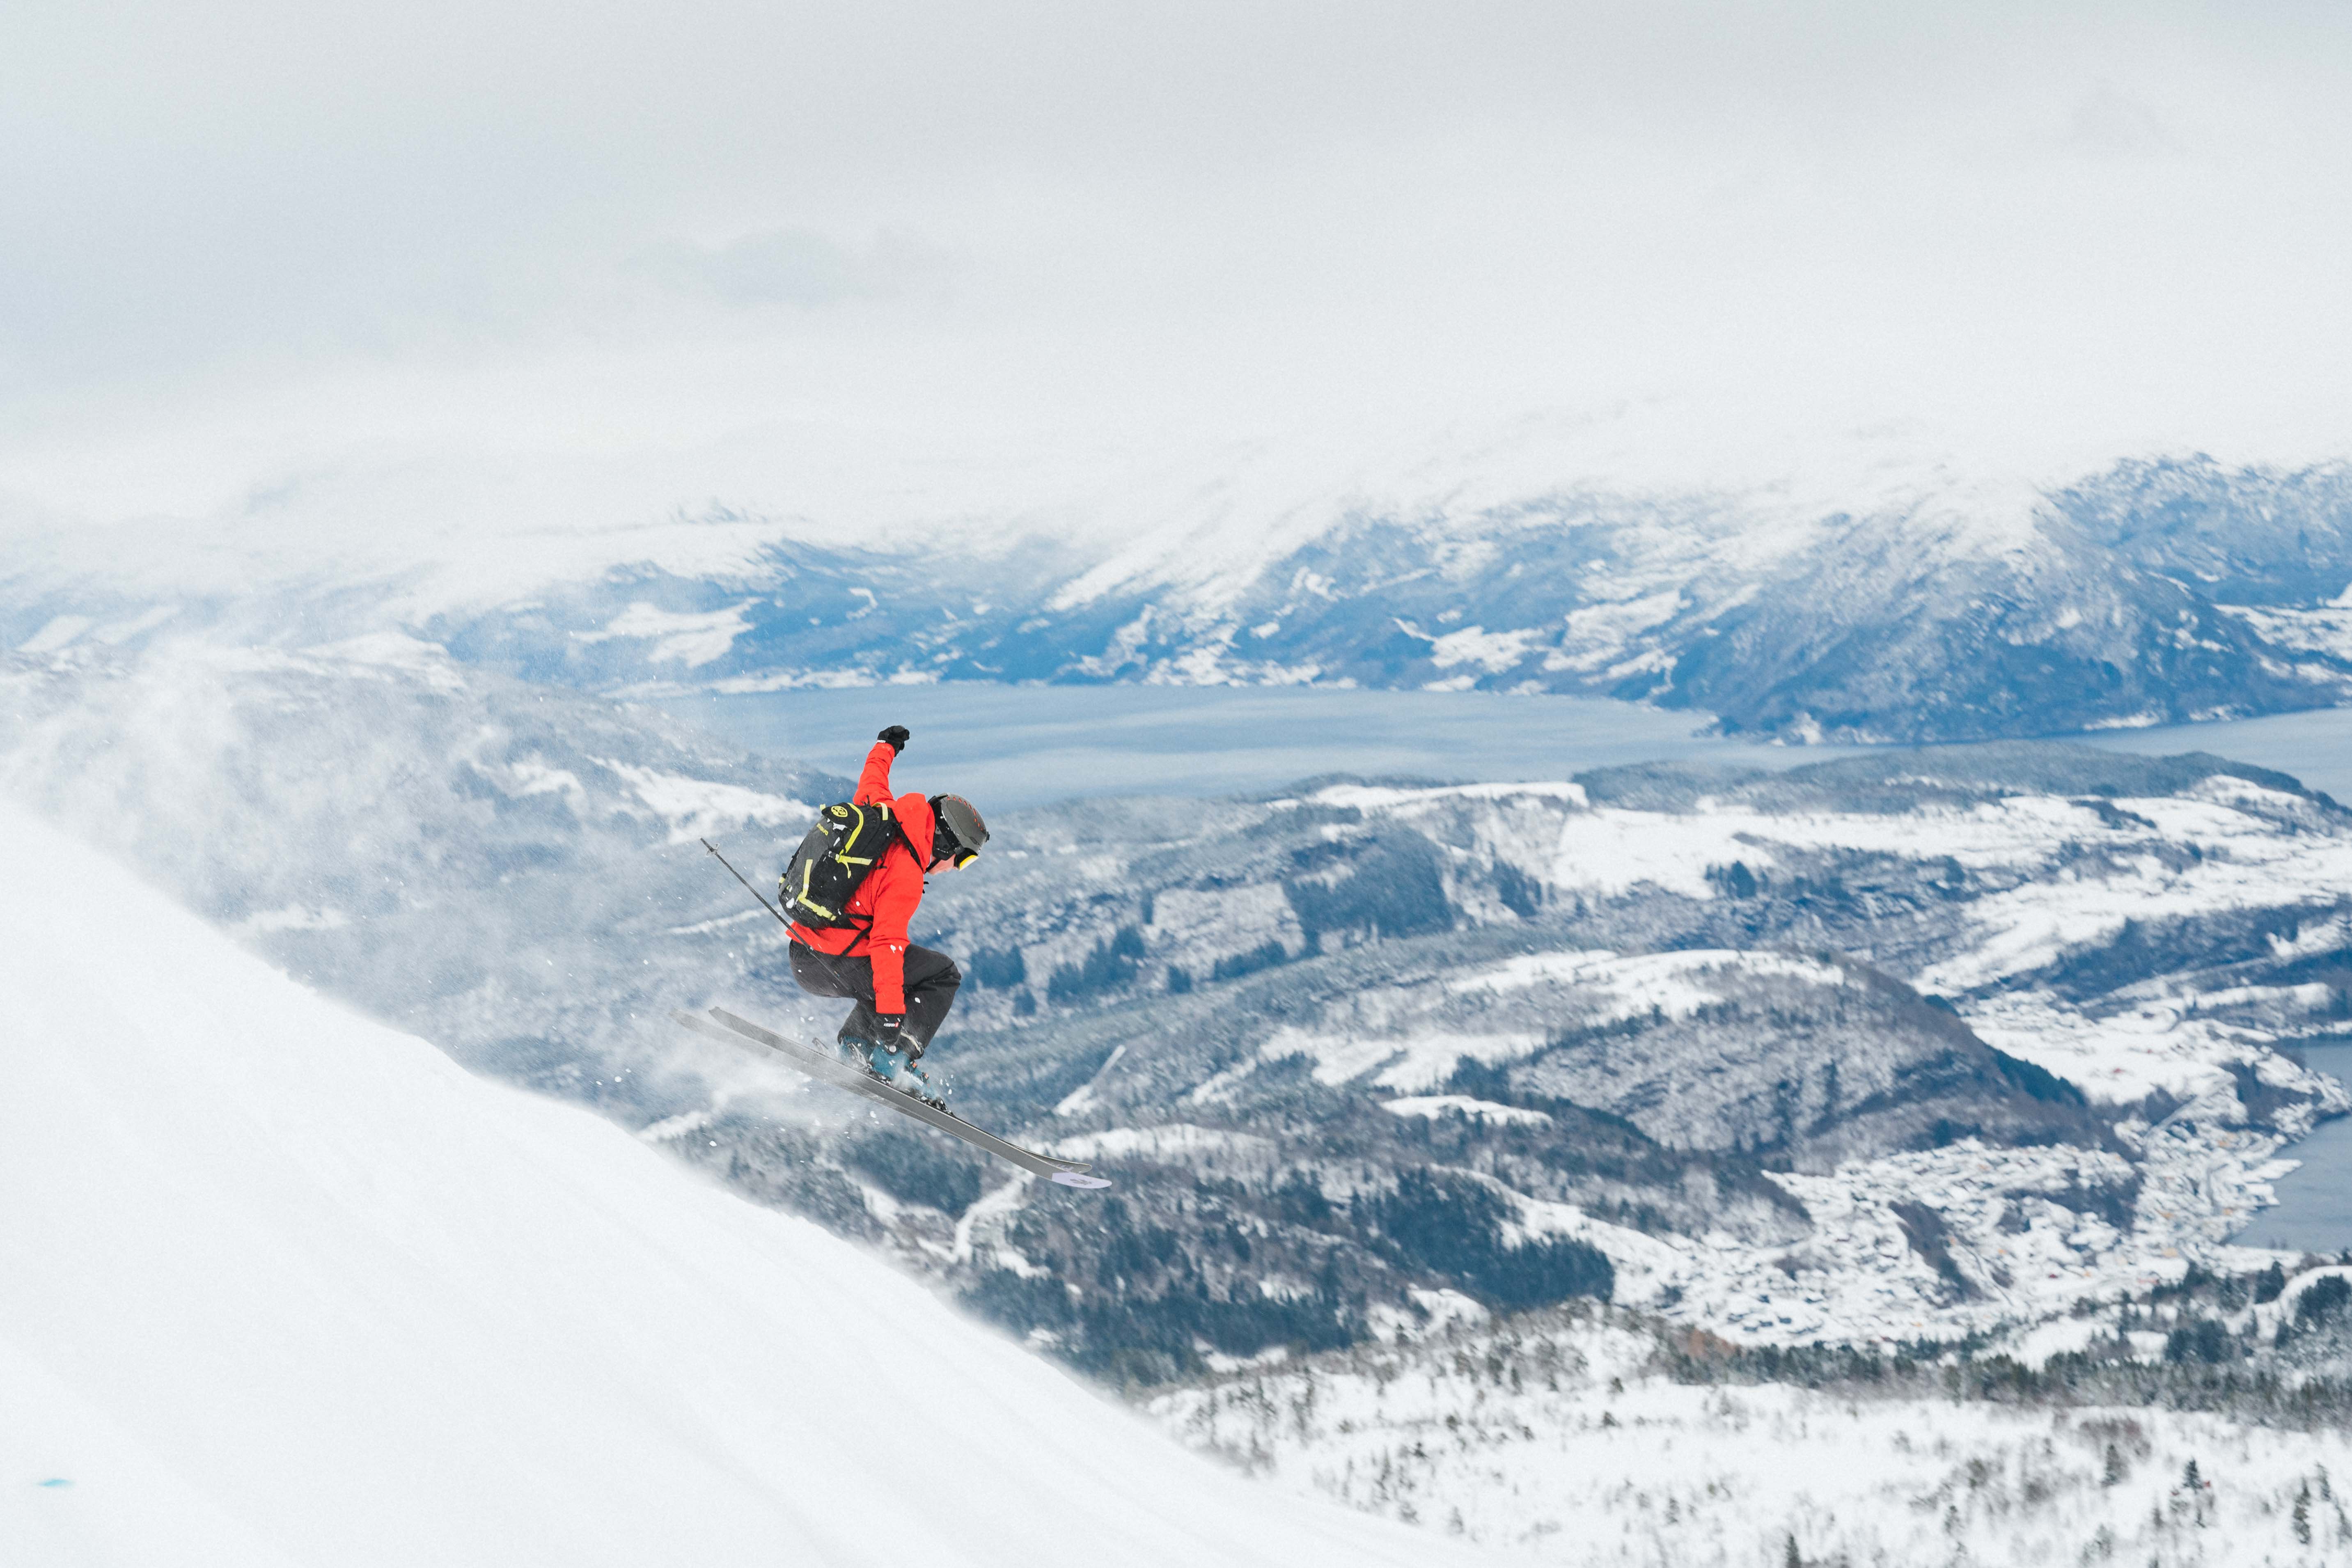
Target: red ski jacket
{"points": [[886, 901]]}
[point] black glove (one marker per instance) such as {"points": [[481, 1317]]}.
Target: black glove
{"points": [[896, 736], [891, 1032]]}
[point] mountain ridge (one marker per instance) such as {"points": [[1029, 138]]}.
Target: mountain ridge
{"points": [[2152, 592]]}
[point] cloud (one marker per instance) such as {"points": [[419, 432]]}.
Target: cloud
{"points": [[879, 266]]}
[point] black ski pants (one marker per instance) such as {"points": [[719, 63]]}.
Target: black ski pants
{"points": [[931, 980]]}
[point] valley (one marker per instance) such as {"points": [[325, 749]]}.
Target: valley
{"points": [[1901, 1046]]}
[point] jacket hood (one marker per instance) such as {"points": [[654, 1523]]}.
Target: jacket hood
{"points": [[918, 826]]}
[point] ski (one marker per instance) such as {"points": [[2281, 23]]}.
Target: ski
{"points": [[827, 1068]]}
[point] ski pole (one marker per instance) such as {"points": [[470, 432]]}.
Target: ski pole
{"points": [[747, 887]]}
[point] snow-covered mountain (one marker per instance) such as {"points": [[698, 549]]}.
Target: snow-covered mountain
{"points": [[1903, 1047], [1878, 1049], [1911, 607], [284, 1286]]}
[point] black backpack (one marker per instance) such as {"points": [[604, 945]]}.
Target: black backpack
{"points": [[845, 844]]}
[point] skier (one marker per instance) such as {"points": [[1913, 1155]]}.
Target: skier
{"points": [[903, 992]]}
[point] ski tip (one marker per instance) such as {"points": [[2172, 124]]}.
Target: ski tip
{"points": [[1078, 1179]]}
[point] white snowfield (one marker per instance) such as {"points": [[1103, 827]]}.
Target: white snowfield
{"points": [[287, 1287], [1557, 1433]]}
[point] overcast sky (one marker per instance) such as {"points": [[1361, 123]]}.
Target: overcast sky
{"points": [[897, 265]]}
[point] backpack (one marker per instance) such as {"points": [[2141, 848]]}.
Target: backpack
{"points": [[845, 844]]}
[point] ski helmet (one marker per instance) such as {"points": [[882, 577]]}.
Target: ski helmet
{"points": [[957, 830]]}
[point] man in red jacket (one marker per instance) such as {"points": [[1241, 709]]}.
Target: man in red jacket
{"points": [[903, 992]]}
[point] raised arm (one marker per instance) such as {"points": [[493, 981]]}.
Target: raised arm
{"points": [[894, 900], [874, 782]]}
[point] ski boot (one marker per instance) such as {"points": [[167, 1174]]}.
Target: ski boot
{"points": [[903, 1069], [899, 1068]]}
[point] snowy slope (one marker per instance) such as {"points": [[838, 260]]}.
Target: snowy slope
{"points": [[284, 1286]]}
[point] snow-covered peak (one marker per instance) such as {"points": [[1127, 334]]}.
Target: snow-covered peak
{"points": [[1207, 529]]}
